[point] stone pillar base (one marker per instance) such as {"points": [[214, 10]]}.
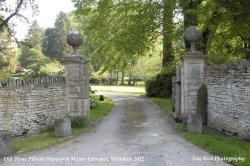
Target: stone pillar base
{"points": [[194, 123], [63, 127], [5, 148]]}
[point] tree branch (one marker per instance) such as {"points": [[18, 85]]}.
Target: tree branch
{"points": [[5, 22]]}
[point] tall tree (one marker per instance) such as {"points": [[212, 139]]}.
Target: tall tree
{"points": [[31, 53], [49, 43], [8, 56], [120, 31], [168, 32], [224, 24], [62, 28], [238, 22]]}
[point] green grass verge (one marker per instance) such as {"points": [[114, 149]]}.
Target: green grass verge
{"points": [[165, 104], [101, 110], [222, 146], [219, 144], [44, 140], [41, 141], [140, 90], [48, 139]]}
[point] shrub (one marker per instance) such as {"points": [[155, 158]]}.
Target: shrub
{"points": [[202, 103], [26, 73], [53, 68], [94, 80], [92, 101], [159, 86], [79, 122]]}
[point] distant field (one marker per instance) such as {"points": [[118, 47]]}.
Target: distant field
{"points": [[119, 89]]}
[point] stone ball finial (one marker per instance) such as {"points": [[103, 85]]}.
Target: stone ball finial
{"points": [[75, 39], [192, 35]]}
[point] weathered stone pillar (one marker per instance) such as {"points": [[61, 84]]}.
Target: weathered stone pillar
{"points": [[193, 73], [5, 148], [63, 127], [77, 81], [177, 94]]}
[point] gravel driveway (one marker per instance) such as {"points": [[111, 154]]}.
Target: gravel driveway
{"points": [[134, 133]]}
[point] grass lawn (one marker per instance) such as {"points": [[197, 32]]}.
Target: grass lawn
{"points": [[101, 110], [165, 104], [219, 144], [48, 139], [41, 141], [211, 141], [140, 90]]}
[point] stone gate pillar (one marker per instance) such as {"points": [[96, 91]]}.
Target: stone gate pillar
{"points": [[77, 81], [193, 72], [177, 94]]}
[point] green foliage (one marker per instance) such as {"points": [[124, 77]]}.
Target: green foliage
{"points": [[49, 128], [228, 41], [36, 59], [202, 101], [165, 104], [49, 43], [8, 56], [168, 31], [58, 37], [160, 85], [28, 73], [149, 65], [54, 41], [79, 122], [105, 78], [5, 76], [31, 55], [181, 128], [93, 102], [225, 28], [118, 32], [34, 36], [92, 99], [3, 61], [53, 68], [94, 79]]}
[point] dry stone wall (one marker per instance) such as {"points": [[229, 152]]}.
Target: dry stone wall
{"points": [[26, 106], [229, 98]]}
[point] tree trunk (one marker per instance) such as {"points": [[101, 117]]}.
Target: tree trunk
{"points": [[134, 81], [117, 74], [168, 8], [208, 35], [111, 78], [130, 80], [123, 75]]}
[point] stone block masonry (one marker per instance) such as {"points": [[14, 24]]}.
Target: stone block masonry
{"points": [[228, 88], [26, 106]]}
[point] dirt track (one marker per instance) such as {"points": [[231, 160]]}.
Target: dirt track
{"points": [[134, 133]]}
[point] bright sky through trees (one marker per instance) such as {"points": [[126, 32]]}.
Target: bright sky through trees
{"points": [[46, 18]]}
